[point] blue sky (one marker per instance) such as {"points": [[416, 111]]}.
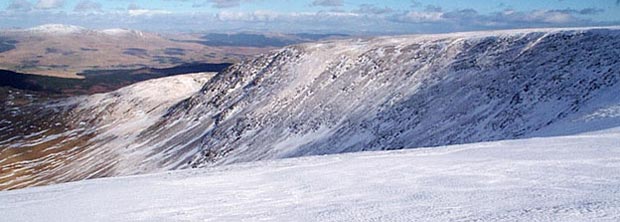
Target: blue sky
{"points": [[346, 16]]}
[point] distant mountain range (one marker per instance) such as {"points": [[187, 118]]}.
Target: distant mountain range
{"points": [[262, 40], [67, 51]]}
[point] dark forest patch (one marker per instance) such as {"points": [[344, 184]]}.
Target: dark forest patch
{"points": [[7, 44], [89, 49], [58, 51], [136, 52], [167, 60], [174, 51], [31, 63]]}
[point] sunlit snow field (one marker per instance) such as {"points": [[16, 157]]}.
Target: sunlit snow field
{"points": [[570, 178]]}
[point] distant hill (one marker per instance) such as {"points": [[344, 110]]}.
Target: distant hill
{"points": [[65, 51], [97, 81], [262, 40]]}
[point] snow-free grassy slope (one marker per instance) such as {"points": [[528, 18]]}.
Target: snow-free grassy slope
{"points": [[570, 178]]}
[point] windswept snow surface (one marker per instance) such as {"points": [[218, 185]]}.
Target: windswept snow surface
{"points": [[570, 178]]}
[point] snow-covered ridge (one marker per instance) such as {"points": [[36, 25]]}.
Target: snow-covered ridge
{"points": [[507, 32], [572, 178], [121, 32], [56, 29], [61, 29], [406, 91]]}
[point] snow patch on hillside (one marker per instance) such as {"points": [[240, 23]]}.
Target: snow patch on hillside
{"points": [[57, 29], [62, 29], [122, 32], [607, 112]]}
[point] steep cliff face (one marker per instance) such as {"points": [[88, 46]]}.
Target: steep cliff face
{"points": [[368, 94]]}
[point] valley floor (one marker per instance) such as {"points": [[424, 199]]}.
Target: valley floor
{"points": [[569, 178]]}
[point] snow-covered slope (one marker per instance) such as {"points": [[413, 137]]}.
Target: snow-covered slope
{"points": [[571, 178], [58, 29], [344, 96], [397, 92], [90, 134], [122, 32], [61, 29]]}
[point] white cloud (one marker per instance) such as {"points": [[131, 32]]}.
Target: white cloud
{"points": [[365, 19], [533, 18], [49, 4], [133, 6], [220, 3], [420, 17], [19, 5], [550, 17], [87, 6], [147, 12], [266, 16], [328, 3], [472, 19], [372, 9], [256, 16]]}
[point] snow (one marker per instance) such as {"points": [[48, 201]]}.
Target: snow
{"points": [[62, 29], [121, 32], [116, 119], [127, 112], [406, 91], [350, 95], [569, 178], [556, 89], [607, 112], [57, 29]]}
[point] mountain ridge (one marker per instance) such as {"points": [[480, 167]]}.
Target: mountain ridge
{"points": [[372, 60], [362, 94]]}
